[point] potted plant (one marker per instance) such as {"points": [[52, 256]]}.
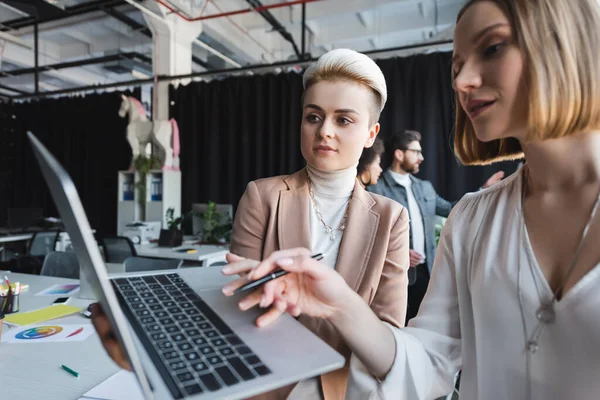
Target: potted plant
{"points": [[216, 226], [173, 236], [143, 165]]}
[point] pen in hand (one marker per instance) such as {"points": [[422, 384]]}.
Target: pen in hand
{"points": [[270, 277]]}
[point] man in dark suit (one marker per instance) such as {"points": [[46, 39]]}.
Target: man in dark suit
{"points": [[423, 204]]}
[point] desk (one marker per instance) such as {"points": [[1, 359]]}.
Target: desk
{"points": [[32, 371], [205, 254], [13, 238]]}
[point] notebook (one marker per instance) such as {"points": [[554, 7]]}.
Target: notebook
{"points": [[41, 315]]}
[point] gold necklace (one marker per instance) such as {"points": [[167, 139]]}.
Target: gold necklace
{"points": [[328, 229]]}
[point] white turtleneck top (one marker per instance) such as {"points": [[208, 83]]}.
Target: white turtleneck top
{"points": [[332, 190]]}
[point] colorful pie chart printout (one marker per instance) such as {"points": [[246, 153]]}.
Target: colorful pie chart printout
{"points": [[45, 333], [39, 332]]}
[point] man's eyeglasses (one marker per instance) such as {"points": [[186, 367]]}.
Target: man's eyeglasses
{"points": [[418, 152]]}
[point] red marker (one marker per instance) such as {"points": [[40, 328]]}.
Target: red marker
{"points": [[78, 331]]}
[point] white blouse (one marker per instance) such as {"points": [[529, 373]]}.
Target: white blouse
{"points": [[479, 313]]}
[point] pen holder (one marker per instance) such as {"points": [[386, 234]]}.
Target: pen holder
{"points": [[9, 303]]}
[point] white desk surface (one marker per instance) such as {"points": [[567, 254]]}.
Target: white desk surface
{"points": [[16, 237], [32, 371], [203, 252]]}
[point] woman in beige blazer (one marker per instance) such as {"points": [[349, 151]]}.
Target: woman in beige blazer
{"points": [[344, 93], [323, 207]]}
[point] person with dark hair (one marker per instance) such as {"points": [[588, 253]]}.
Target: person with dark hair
{"points": [[423, 204], [369, 168]]}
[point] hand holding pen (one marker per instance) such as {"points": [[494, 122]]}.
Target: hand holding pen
{"points": [[304, 286]]}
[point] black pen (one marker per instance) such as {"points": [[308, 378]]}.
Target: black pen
{"points": [[270, 277]]}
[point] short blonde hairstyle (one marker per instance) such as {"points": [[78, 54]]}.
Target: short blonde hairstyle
{"points": [[346, 64], [560, 41]]}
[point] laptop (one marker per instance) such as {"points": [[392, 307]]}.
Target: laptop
{"points": [[184, 339]]}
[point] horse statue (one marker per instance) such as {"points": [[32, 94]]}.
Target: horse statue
{"points": [[141, 131]]}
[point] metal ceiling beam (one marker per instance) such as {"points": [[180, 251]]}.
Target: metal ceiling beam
{"points": [[79, 9], [253, 68], [19, 91], [266, 14], [78, 63]]}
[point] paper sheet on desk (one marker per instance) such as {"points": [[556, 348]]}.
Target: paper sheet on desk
{"points": [[121, 386]]}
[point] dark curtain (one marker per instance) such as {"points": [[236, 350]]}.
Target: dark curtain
{"points": [[85, 134], [243, 128], [236, 130]]}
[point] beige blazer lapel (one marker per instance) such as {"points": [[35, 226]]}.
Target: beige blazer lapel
{"points": [[293, 219], [359, 235]]}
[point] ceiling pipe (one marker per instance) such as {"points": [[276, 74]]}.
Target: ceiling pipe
{"points": [[236, 12], [275, 24]]}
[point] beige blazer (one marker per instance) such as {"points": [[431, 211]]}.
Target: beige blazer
{"points": [[273, 214]]}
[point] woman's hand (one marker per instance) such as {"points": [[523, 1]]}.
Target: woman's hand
{"points": [[310, 287], [109, 341]]}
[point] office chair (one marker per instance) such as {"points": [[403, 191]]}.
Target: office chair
{"points": [[42, 243], [63, 264], [137, 264], [117, 248]]}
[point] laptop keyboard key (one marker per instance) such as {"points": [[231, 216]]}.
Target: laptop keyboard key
{"points": [[178, 337], [200, 366], [193, 356], [175, 365], [165, 345], [262, 370], [185, 346], [215, 360], [193, 332], [206, 350], [186, 324], [234, 340], [241, 368], [253, 360], [243, 350], [172, 329], [218, 342], [192, 389], [185, 376], [169, 355], [227, 376], [199, 341], [210, 334], [158, 336], [226, 351], [210, 382]]}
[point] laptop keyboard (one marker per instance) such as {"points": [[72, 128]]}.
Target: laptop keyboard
{"points": [[191, 346]]}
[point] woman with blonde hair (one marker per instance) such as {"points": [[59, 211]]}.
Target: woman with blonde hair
{"points": [[323, 207], [513, 298]]}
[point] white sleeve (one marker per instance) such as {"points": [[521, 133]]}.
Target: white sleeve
{"points": [[428, 351]]}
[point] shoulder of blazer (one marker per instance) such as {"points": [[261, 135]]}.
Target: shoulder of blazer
{"points": [[385, 206], [269, 188]]}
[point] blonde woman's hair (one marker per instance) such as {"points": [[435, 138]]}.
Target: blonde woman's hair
{"points": [[560, 42], [346, 64]]}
